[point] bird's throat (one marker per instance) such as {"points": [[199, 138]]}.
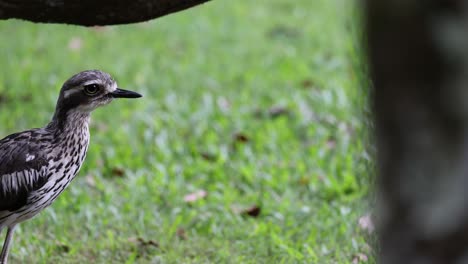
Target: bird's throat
{"points": [[70, 121]]}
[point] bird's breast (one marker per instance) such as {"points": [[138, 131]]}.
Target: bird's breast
{"points": [[64, 165], [70, 156]]}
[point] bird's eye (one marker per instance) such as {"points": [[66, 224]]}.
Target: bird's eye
{"points": [[91, 89]]}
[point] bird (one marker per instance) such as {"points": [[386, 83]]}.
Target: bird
{"points": [[37, 165]]}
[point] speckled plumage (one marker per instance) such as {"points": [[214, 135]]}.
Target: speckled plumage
{"points": [[38, 164], [45, 160]]}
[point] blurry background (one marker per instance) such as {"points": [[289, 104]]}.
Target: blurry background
{"points": [[247, 146]]}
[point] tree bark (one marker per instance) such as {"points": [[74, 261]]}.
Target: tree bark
{"points": [[418, 53], [91, 12]]}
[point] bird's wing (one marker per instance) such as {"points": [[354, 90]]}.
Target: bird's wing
{"points": [[22, 169]]}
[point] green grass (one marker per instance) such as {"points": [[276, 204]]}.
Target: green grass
{"points": [[257, 103]]}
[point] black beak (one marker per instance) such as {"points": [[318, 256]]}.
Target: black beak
{"points": [[121, 93]]}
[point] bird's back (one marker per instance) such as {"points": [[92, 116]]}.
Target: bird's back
{"points": [[22, 157], [35, 167]]}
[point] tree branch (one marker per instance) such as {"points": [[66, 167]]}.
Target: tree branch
{"points": [[91, 12]]}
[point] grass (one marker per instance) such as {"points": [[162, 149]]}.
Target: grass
{"points": [[259, 105]]}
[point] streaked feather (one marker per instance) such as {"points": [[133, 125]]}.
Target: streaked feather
{"points": [[18, 175]]}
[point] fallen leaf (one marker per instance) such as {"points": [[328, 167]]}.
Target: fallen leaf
{"points": [[223, 104], [277, 111], [241, 137], [307, 83], [62, 247], [75, 43], [180, 233], [100, 163], [365, 223], [331, 143], [119, 172], [192, 197], [359, 258], [140, 242], [253, 211], [208, 156], [90, 180]]}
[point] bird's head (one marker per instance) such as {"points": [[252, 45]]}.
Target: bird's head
{"points": [[88, 90]]}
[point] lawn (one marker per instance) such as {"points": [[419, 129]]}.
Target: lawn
{"points": [[247, 147]]}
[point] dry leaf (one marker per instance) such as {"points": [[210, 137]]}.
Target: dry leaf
{"points": [[119, 172], [365, 222], [307, 83], [75, 43], [192, 197], [90, 180], [359, 258], [277, 111], [241, 137], [331, 143], [140, 242], [180, 233], [223, 104], [208, 156], [61, 247], [253, 211]]}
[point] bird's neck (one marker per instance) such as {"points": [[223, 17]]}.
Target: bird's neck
{"points": [[71, 121]]}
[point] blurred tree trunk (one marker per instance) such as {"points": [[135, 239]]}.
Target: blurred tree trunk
{"points": [[91, 12], [418, 51]]}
